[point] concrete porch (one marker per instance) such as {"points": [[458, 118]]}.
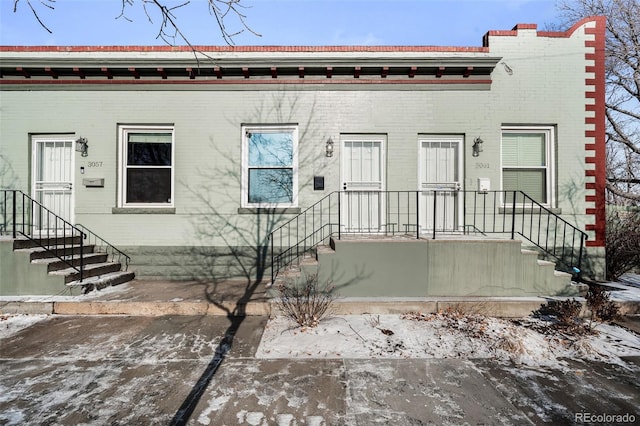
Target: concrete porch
{"points": [[450, 266]]}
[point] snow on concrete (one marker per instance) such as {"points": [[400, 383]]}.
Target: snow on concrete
{"points": [[92, 295], [344, 368], [627, 293], [416, 335], [12, 323]]}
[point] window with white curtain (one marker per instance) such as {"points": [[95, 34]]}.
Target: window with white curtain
{"points": [[527, 162], [146, 158]]}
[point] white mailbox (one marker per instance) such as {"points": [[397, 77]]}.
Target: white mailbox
{"points": [[484, 184], [93, 182]]}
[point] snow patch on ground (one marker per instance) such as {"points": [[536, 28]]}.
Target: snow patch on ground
{"points": [[526, 341], [92, 295], [630, 293], [13, 323]]}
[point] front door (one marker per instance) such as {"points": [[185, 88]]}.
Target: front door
{"points": [[362, 182], [53, 180], [440, 177]]}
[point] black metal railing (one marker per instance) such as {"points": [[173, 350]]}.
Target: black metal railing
{"points": [[23, 216], [26, 217], [515, 213], [427, 214], [101, 245]]}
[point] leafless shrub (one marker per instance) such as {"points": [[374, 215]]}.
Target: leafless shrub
{"points": [[623, 241], [567, 314], [600, 304], [306, 302], [374, 321]]}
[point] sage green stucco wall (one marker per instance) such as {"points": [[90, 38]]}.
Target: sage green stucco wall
{"points": [[539, 81], [19, 276], [425, 268]]}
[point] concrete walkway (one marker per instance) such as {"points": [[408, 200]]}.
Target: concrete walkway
{"points": [[172, 356], [123, 370], [238, 297]]}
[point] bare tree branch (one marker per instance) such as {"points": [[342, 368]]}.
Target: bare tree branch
{"points": [[618, 133], [169, 29], [623, 89], [46, 3], [611, 187]]}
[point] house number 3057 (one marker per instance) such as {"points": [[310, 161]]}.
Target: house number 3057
{"points": [[94, 164]]}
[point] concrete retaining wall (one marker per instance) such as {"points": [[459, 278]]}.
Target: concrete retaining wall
{"points": [[423, 268]]}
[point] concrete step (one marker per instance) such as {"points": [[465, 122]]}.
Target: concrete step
{"points": [[529, 252], [323, 249], [56, 251], [25, 243], [90, 270], [101, 281], [55, 264]]}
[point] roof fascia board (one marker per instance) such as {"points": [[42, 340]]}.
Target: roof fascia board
{"points": [[315, 61]]}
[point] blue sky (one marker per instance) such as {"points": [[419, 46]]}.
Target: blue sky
{"points": [[280, 22]]}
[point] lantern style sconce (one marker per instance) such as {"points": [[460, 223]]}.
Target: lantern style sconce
{"points": [[82, 146], [477, 146], [329, 148]]}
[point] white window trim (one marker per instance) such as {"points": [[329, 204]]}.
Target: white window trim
{"points": [[549, 132], [123, 131], [244, 191]]}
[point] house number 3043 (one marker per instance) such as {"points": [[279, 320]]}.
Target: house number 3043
{"points": [[94, 164]]}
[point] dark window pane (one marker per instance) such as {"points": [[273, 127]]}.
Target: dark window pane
{"points": [[270, 185], [148, 185], [149, 154]]}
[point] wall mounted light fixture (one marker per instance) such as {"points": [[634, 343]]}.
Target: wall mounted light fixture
{"points": [[82, 146], [477, 146], [329, 148]]}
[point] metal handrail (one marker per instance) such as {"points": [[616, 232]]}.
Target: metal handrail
{"points": [[106, 246], [427, 213], [559, 223], [26, 218]]}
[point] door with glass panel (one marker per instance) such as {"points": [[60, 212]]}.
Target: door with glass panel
{"points": [[362, 202], [52, 181], [440, 182]]}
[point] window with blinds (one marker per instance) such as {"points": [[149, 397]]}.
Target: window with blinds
{"points": [[147, 166], [526, 163]]}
